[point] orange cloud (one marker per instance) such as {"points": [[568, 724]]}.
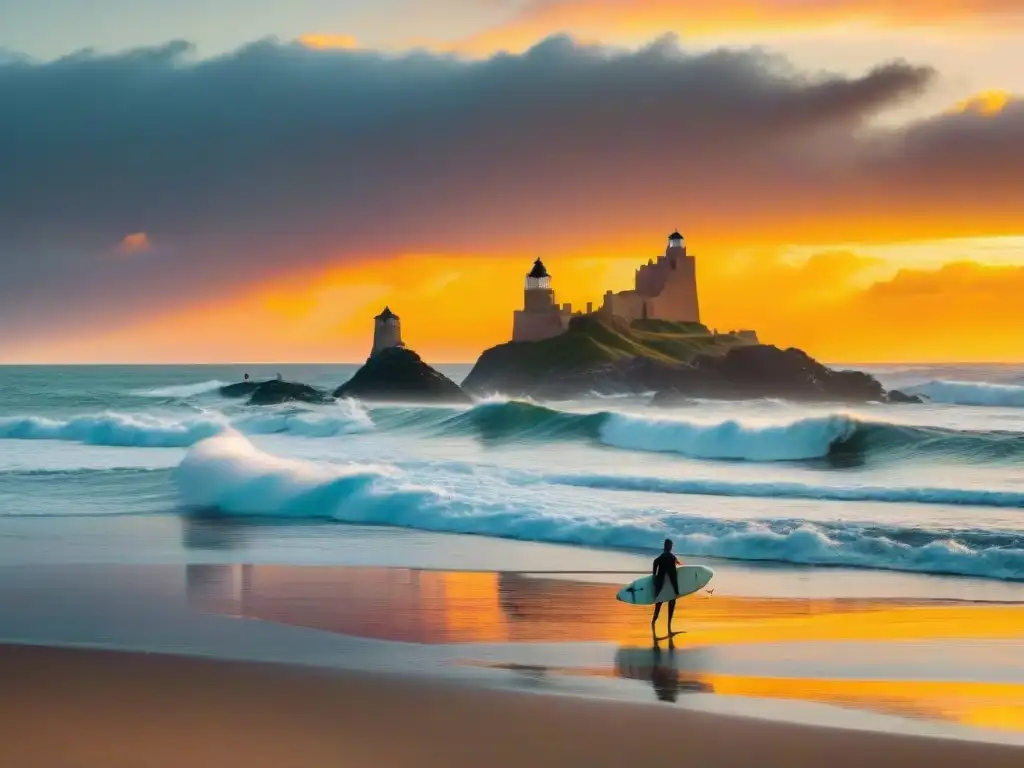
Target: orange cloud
{"points": [[963, 311], [986, 103], [634, 20], [323, 41], [136, 242]]}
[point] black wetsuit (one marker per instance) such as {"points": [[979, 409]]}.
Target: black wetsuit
{"points": [[665, 565]]}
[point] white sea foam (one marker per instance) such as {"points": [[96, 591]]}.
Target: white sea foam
{"points": [[227, 473]]}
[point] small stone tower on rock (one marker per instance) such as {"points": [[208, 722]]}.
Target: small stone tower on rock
{"points": [[387, 331]]}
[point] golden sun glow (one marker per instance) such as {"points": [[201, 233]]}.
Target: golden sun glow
{"points": [[988, 103], [325, 41], [876, 305]]}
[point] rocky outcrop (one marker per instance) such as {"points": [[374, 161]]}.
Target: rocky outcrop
{"points": [[399, 374], [276, 391], [763, 371], [240, 389], [597, 355], [895, 396]]}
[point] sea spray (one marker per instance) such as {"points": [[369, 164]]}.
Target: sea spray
{"points": [[181, 390], [344, 417]]}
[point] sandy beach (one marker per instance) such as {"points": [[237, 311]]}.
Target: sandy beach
{"points": [[275, 665], [93, 708]]}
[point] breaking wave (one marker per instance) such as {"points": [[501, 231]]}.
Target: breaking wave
{"points": [[114, 429], [228, 474], [835, 435], [150, 431], [976, 393]]}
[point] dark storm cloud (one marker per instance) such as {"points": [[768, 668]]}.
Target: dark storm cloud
{"points": [[277, 157]]}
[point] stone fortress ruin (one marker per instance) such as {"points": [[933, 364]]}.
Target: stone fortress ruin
{"points": [[664, 289]]}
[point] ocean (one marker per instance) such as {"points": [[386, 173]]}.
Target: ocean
{"points": [[149, 465]]}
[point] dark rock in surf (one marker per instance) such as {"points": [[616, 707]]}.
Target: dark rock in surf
{"points": [[276, 391], [399, 374], [895, 396], [765, 371], [240, 389]]}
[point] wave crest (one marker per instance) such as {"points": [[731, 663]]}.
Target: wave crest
{"points": [[149, 431], [977, 393], [114, 429], [809, 438], [837, 436]]}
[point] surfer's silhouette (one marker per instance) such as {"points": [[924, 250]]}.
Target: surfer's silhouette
{"points": [[665, 564]]}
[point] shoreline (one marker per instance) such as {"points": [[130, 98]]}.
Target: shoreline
{"points": [[75, 707], [912, 667]]}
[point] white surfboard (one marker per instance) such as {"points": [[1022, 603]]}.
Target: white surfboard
{"points": [[692, 578]]}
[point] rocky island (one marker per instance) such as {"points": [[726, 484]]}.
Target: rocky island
{"points": [[651, 339], [393, 372], [678, 362], [596, 355], [399, 374]]}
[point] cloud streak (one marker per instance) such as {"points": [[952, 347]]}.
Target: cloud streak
{"points": [[278, 158], [642, 19]]}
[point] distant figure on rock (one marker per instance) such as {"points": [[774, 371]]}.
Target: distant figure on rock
{"points": [[246, 377], [280, 377]]}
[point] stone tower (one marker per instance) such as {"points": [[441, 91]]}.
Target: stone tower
{"points": [[678, 297], [387, 331], [665, 289], [540, 318]]}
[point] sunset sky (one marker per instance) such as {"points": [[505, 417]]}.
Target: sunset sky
{"points": [[248, 180]]}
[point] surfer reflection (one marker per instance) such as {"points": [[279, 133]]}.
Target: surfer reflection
{"points": [[664, 678], [661, 669], [665, 565]]}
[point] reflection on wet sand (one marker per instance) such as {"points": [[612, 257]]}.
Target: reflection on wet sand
{"points": [[661, 668], [448, 607], [431, 607]]}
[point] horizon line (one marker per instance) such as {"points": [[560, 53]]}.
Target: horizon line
{"points": [[450, 362]]}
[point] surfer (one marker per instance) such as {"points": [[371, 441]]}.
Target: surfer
{"points": [[665, 564]]}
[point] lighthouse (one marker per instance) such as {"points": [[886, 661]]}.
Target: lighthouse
{"points": [[541, 317], [387, 331]]}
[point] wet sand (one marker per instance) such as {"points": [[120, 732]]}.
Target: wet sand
{"points": [[109, 709], [917, 667]]}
